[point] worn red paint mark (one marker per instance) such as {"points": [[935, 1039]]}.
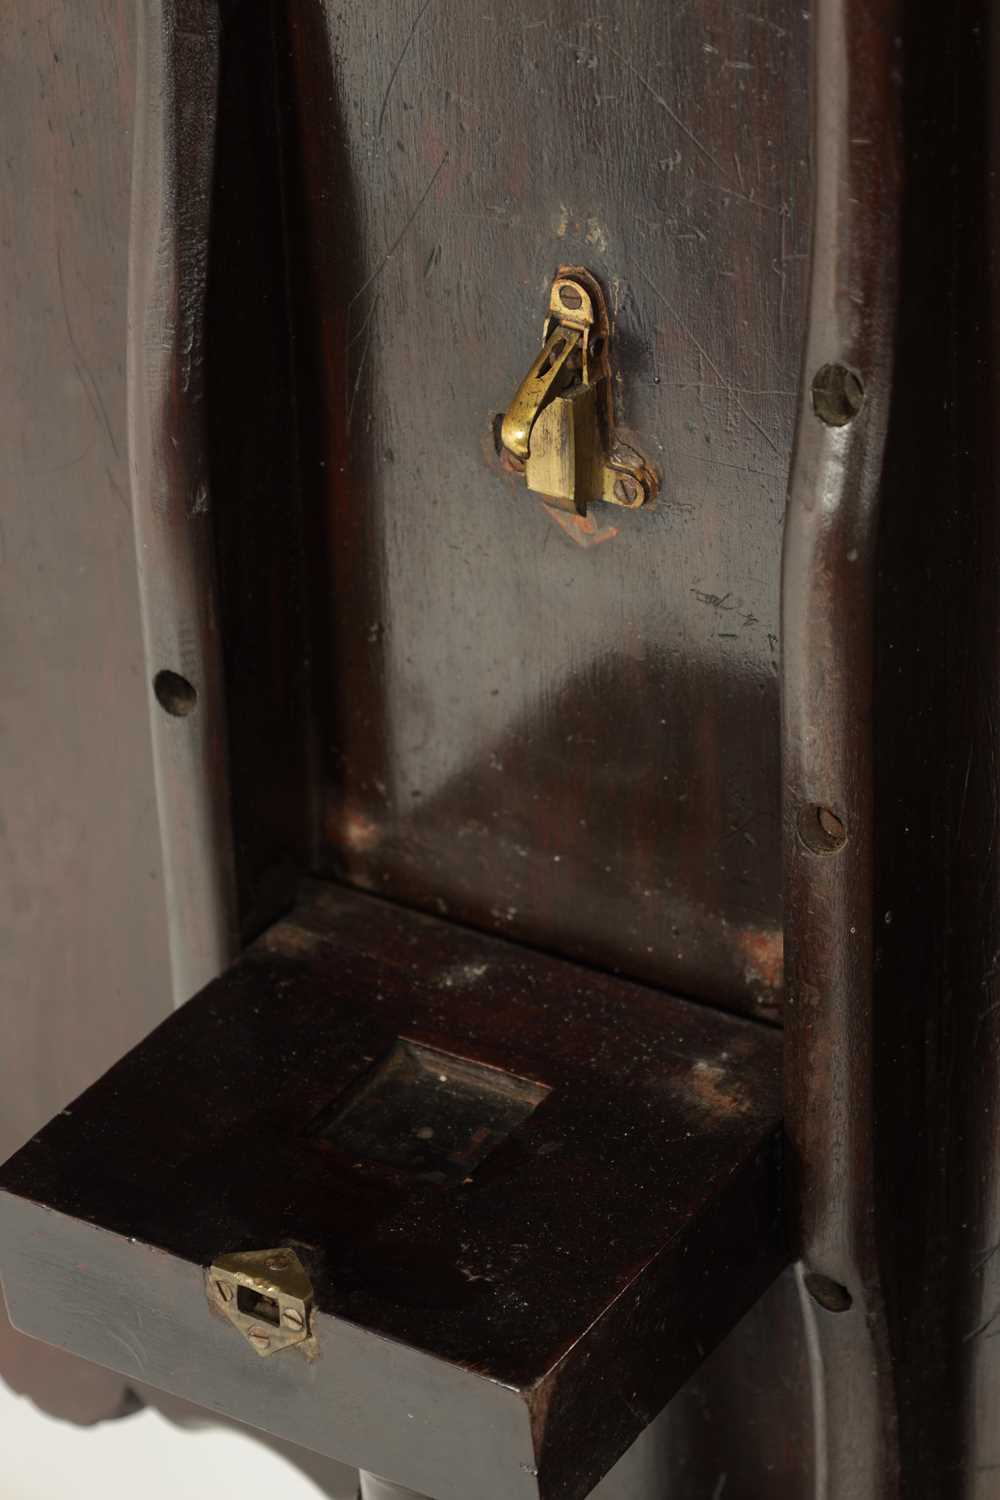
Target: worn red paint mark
{"points": [[583, 530], [716, 1090], [763, 953]]}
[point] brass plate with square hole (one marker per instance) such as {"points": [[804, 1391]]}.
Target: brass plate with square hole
{"points": [[266, 1294]]}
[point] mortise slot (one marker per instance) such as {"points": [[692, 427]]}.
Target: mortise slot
{"points": [[256, 1305]]}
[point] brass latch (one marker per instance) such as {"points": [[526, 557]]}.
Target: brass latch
{"points": [[559, 429]]}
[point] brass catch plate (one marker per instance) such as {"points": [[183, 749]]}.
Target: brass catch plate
{"points": [[266, 1294]]}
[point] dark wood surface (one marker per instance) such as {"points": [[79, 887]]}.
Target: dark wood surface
{"points": [[177, 83], [938, 980], [553, 1299], [829, 692], [447, 698], [694, 1447], [88, 963], [84, 970], [575, 746], [251, 448], [890, 661]]}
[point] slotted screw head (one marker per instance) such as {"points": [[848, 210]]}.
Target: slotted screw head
{"points": [[292, 1318], [259, 1338], [831, 825], [626, 489], [224, 1291], [570, 296]]}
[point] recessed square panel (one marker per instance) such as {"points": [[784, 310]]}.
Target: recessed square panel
{"points": [[429, 1112]]}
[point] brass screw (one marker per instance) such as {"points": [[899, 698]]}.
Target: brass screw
{"points": [[831, 825], [570, 297], [278, 1262], [224, 1291], [292, 1318], [259, 1338], [821, 830], [626, 490]]}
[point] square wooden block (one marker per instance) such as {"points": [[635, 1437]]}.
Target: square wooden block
{"points": [[528, 1198]]}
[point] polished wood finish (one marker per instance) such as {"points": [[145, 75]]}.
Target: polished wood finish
{"points": [[828, 681], [573, 745], [568, 736], [540, 1309], [890, 629]]}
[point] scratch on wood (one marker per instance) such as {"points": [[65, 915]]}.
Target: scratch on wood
{"points": [[132, 1346], [668, 110], [116, 490], [387, 257], [367, 319], [983, 1327], [763, 21], [721, 187], [369, 324], [985, 1258], [717, 601], [706, 458], [47, 469], [399, 63], [86, 378], [744, 390], [727, 384]]}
